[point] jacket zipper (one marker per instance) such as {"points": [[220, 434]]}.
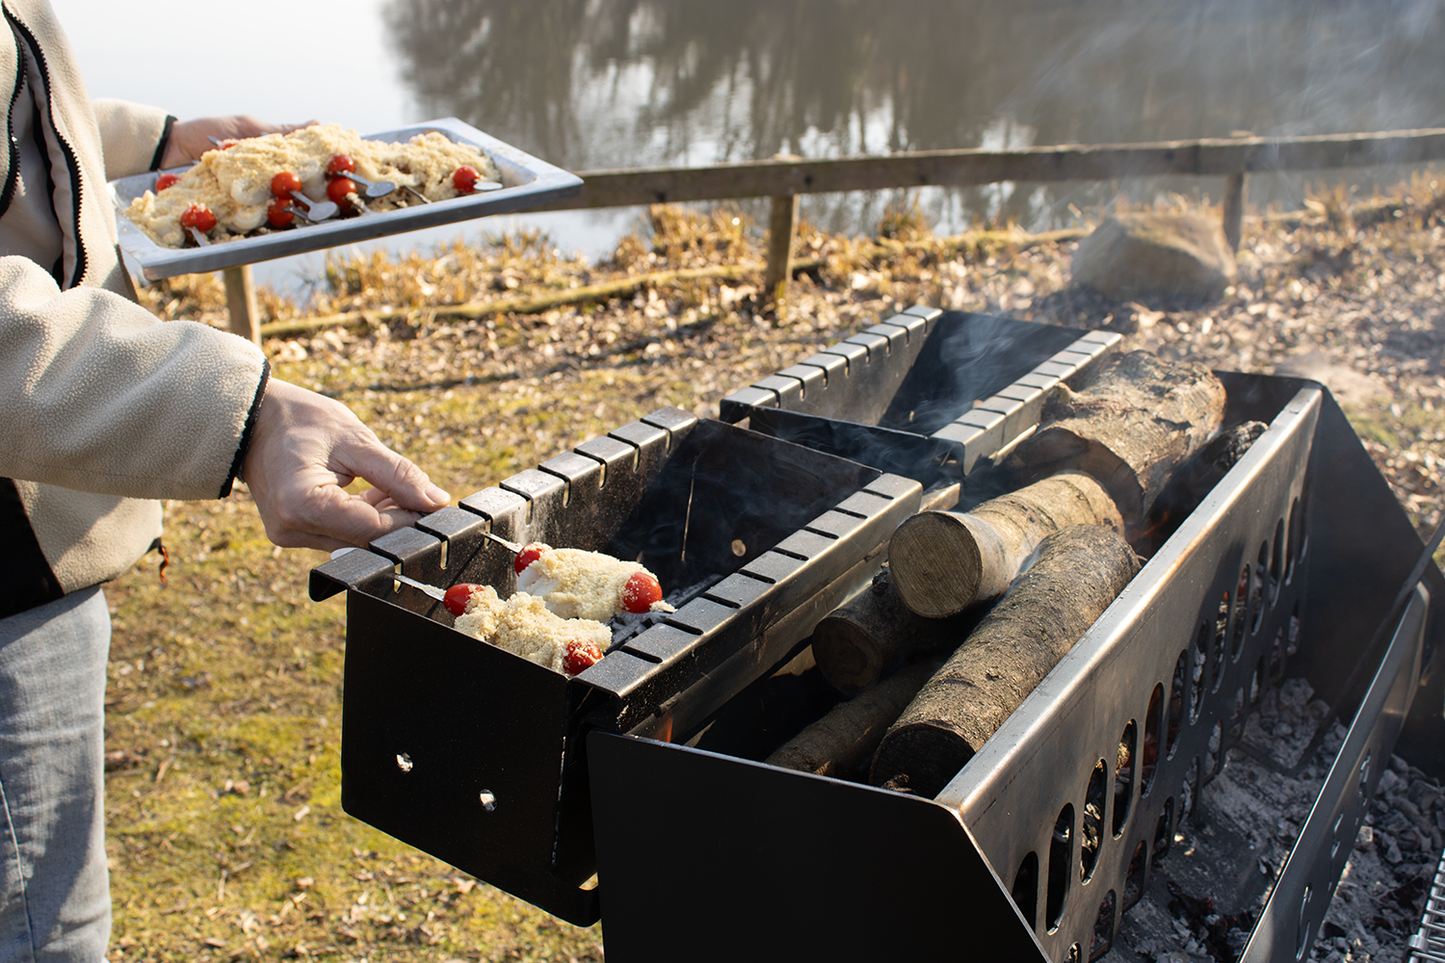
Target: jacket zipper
{"points": [[72, 163], [12, 178]]}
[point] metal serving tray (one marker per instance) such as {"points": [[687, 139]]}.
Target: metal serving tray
{"points": [[528, 182]]}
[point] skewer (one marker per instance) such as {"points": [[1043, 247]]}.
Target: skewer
{"points": [[513, 546], [439, 594]]}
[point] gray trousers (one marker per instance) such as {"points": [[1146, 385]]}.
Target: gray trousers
{"points": [[54, 888]]}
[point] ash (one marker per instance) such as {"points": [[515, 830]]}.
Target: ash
{"points": [[1207, 891]]}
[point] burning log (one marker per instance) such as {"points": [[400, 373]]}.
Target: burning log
{"points": [[943, 562], [1139, 420], [867, 637], [1078, 572], [844, 739]]}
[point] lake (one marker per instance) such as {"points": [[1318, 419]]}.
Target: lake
{"points": [[590, 84]]}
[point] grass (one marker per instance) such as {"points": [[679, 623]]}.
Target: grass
{"points": [[226, 838]]}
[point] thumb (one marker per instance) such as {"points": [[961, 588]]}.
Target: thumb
{"points": [[400, 478]]}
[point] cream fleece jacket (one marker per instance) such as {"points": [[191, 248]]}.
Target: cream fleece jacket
{"points": [[103, 408]]}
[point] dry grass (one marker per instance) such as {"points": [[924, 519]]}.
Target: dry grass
{"points": [[226, 837]]}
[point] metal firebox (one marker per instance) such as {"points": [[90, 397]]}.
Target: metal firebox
{"points": [[645, 768]]}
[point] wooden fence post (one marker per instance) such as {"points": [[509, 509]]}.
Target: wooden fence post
{"points": [[241, 303], [782, 222], [1234, 185]]}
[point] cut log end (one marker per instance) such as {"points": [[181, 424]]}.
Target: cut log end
{"points": [[922, 758], [937, 563], [847, 654]]}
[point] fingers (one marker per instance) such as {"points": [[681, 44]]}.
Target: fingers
{"points": [[392, 475]]}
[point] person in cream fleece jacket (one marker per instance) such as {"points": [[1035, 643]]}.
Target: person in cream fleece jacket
{"points": [[104, 410]]}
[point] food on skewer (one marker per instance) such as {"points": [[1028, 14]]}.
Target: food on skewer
{"points": [[234, 180], [523, 626], [579, 584]]}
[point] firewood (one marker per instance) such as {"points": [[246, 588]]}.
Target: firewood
{"points": [[873, 633], [1078, 572], [943, 562], [843, 740], [1131, 428], [1195, 479]]}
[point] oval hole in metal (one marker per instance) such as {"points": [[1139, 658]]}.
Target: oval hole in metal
{"points": [[1103, 936], [1164, 829], [1236, 716], [1076, 954], [1256, 589], [1189, 791], [1176, 705], [1241, 606], [1025, 890], [1303, 932], [1276, 563], [1296, 537], [1304, 511], [1061, 861], [1201, 660], [739, 549], [1124, 776], [1149, 762], [1092, 831], [1134, 881], [1221, 632], [1212, 755], [1276, 656]]}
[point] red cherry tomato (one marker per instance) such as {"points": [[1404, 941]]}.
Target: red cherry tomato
{"points": [[341, 164], [198, 216], [279, 213], [166, 180], [580, 654], [284, 183], [640, 591], [465, 178], [529, 554], [457, 596], [338, 190]]}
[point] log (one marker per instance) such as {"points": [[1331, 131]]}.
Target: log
{"points": [[1195, 479], [1078, 572], [943, 562], [873, 633], [843, 740], [1131, 428]]}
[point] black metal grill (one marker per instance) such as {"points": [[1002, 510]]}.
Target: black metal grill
{"points": [[645, 767]]}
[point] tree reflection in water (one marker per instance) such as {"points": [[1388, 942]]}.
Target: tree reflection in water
{"points": [[592, 84]]}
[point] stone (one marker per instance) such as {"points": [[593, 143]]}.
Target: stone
{"points": [[1156, 254]]}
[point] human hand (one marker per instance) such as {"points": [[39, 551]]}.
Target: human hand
{"points": [[191, 138], [305, 449]]}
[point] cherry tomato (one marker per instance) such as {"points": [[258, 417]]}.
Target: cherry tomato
{"points": [[198, 216], [338, 190], [465, 178], [341, 164], [284, 183], [529, 554], [166, 180], [640, 591], [279, 213], [580, 654], [457, 597]]}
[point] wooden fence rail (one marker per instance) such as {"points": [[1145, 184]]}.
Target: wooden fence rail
{"points": [[783, 179]]}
